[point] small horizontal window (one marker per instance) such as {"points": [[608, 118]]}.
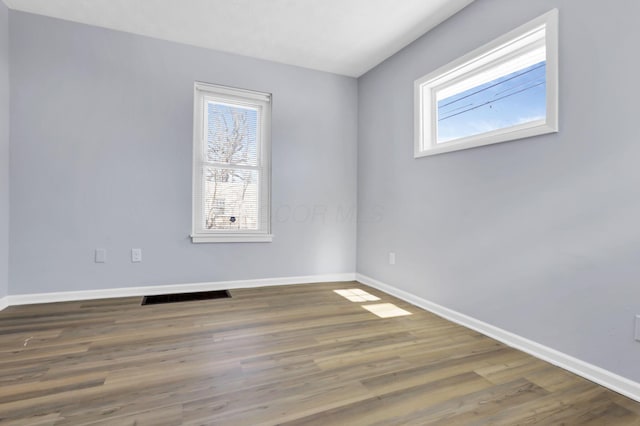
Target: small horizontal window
{"points": [[503, 91]]}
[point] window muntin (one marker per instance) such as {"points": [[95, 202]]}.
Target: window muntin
{"points": [[231, 165], [503, 91]]}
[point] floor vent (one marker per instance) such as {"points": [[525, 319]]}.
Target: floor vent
{"points": [[185, 297]]}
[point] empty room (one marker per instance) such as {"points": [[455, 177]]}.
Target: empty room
{"points": [[354, 212]]}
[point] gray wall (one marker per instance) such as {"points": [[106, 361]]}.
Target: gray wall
{"points": [[539, 236], [101, 157], [4, 150]]}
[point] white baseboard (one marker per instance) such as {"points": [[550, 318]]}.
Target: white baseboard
{"points": [[591, 372], [67, 296]]}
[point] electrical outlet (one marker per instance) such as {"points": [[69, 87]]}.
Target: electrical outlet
{"points": [[101, 255], [392, 258], [637, 330], [136, 255]]}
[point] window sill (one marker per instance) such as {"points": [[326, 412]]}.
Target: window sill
{"points": [[232, 238], [522, 131]]}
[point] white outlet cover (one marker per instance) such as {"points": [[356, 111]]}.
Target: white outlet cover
{"points": [[136, 255], [637, 329], [100, 255]]}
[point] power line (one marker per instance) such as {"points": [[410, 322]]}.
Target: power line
{"points": [[516, 87], [460, 107], [490, 102], [494, 85]]}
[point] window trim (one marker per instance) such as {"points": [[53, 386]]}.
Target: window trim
{"points": [[425, 143], [202, 92]]}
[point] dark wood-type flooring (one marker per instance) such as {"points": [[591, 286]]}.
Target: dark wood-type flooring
{"points": [[299, 355]]}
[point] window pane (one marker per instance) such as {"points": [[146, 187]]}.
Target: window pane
{"points": [[517, 96], [230, 199], [231, 134]]}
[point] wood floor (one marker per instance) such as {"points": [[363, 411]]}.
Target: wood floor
{"points": [[298, 355]]}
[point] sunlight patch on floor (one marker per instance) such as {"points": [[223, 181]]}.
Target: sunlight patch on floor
{"points": [[386, 310], [357, 295]]}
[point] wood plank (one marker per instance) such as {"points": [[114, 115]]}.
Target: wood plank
{"points": [[277, 355]]}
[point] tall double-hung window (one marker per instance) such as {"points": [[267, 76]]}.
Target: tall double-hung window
{"points": [[231, 165], [505, 90]]}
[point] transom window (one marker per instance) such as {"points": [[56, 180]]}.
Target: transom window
{"points": [[231, 164], [502, 91]]}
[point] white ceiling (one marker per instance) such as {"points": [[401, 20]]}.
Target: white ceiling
{"points": [[346, 37]]}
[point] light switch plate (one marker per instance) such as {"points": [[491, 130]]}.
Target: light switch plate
{"points": [[101, 255], [637, 330]]}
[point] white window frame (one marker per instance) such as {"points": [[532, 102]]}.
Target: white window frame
{"points": [[204, 92], [425, 103]]}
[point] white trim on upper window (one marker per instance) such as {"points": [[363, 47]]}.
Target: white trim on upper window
{"points": [[231, 165], [502, 91]]}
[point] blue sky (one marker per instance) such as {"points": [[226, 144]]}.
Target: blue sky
{"points": [[513, 99]]}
